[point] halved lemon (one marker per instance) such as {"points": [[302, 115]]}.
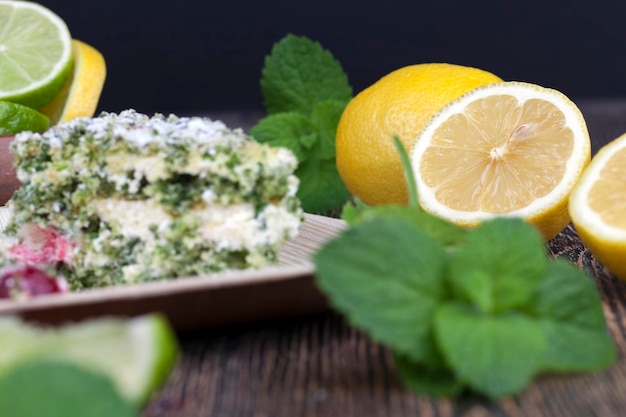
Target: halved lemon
{"points": [[506, 149], [598, 206], [399, 104]]}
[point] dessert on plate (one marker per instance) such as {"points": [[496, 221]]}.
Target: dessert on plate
{"points": [[124, 198]]}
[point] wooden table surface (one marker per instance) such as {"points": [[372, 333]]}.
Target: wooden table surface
{"points": [[320, 366]]}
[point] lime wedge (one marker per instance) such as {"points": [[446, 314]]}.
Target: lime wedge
{"points": [[15, 118], [35, 53], [137, 354]]}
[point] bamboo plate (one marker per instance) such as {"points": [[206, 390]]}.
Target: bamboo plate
{"points": [[287, 289]]}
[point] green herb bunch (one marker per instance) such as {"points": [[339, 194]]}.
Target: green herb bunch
{"points": [[305, 91], [481, 310]]}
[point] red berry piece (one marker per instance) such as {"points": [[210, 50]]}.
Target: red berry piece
{"points": [[28, 281], [41, 245]]}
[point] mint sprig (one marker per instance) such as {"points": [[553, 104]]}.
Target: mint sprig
{"points": [[305, 91], [483, 310]]}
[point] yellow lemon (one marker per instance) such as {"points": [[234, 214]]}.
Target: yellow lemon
{"points": [[513, 149], [598, 206], [400, 103], [81, 92]]}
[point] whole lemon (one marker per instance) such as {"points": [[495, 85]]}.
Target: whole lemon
{"points": [[400, 103]]}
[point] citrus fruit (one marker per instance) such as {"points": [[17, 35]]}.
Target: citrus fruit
{"points": [[81, 92], [15, 118], [598, 206], [511, 148], [137, 354], [35, 53], [399, 104]]}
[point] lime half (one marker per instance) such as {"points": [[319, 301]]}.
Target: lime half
{"points": [[35, 53], [137, 354], [15, 118]]}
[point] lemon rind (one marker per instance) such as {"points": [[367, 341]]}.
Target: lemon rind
{"points": [[582, 214]]}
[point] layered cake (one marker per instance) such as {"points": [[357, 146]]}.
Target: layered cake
{"points": [[124, 198]]}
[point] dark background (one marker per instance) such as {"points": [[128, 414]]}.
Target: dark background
{"points": [[192, 56]]}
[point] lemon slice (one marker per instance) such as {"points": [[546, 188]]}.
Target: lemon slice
{"points": [[81, 92], [35, 53], [598, 206], [15, 118], [137, 354], [506, 149]]}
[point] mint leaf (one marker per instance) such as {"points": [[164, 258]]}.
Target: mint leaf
{"points": [[325, 117], [570, 311], [427, 377], [447, 234], [353, 211], [320, 190], [494, 355], [500, 265], [58, 389], [299, 73], [387, 277], [289, 130]]}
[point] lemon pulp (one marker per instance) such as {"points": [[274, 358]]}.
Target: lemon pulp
{"points": [[606, 197], [499, 155]]}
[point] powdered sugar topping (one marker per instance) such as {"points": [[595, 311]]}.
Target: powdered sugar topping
{"points": [[140, 131]]}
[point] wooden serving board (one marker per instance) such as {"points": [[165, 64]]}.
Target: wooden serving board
{"points": [[198, 302]]}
